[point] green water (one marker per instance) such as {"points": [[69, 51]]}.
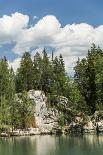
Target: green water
{"points": [[52, 145]]}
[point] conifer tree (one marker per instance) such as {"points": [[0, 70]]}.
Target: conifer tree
{"points": [[37, 71], [4, 76], [46, 73], [24, 78], [87, 77], [25, 111]]}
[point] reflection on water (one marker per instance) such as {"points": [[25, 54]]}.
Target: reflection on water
{"points": [[52, 145]]}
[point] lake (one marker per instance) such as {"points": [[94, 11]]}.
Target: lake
{"points": [[52, 145]]}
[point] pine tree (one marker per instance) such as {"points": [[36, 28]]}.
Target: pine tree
{"points": [[25, 111], [24, 78], [63, 80], [87, 77], [4, 90], [4, 112], [4, 76], [91, 79], [46, 73], [37, 69], [12, 98], [59, 76]]}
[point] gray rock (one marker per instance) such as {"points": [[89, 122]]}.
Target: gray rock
{"points": [[46, 118], [98, 117], [87, 124]]}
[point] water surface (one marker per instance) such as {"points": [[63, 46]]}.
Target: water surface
{"points": [[52, 145]]}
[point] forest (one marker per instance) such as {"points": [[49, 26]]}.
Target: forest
{"points": [[84, 91]]}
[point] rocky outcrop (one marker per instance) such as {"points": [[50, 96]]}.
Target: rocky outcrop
{"points": [[95, 123], [46, 118], [98, 119], [89, 127], [87, 124]]}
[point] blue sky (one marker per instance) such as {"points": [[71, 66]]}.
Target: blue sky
{"points": [[67, 11], [55, 16]]}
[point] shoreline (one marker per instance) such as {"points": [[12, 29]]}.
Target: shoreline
{"points": [[25, 133]]}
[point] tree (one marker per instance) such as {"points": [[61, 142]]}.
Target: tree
{"points": [[87, 76], [98, 63], [4, 112], [46, 73], [25, 110], [24, 78], [4, 91], [12, 98], [91, 74], [77, 101], [60, 80], [37, 68], [4, 76]]}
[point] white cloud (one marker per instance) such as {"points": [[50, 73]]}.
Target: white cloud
{"points": [[72, 41], [12, 26], [39, 50], [15, 64]]}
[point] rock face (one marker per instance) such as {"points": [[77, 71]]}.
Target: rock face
{"points": [[89, 127], [95, 123], [46, 119], [98, 117], [87, 124]]}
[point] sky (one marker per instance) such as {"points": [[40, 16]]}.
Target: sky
{"points": [[68, 27]]}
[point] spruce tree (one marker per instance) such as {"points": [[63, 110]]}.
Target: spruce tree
{"points": [[25, 110], [87, 76], [24, 78], [37, 71], [46, 73], [4, 76]]}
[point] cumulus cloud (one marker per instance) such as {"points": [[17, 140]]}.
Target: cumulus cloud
{"points": [[12, 26], [15, 64], [39, 50], [72, 41]]}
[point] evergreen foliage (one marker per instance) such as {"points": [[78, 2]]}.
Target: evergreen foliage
{"points": [[84, 92]]}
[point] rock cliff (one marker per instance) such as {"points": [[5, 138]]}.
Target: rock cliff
{"points": [[46, 118], [87, 124]]}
